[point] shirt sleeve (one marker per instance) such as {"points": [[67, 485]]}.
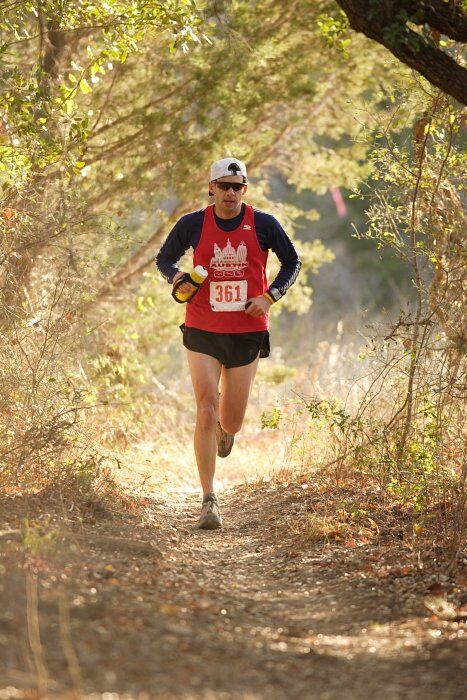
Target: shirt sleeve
{"points": [[277, 240], [174, 247]]}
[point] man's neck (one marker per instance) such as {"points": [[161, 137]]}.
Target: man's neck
{"points": [[231, 214]]}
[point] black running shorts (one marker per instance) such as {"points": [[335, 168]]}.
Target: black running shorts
{"points": [[231, 349]]}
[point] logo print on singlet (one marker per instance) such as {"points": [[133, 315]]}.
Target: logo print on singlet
{"points": [[228, 262]]}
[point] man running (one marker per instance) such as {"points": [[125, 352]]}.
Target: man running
{"points": [[226, 325]]}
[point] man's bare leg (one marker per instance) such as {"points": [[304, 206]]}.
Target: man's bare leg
{"points": [[205, 373], [236, 384]]}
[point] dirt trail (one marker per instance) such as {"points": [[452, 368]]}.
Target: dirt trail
{"points": [[157, 609], [250, 619]]}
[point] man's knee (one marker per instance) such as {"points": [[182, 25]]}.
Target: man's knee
{"points": [[207, 413]]}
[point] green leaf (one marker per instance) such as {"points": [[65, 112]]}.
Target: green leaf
{"points": [[84, 86], [69, 105]]}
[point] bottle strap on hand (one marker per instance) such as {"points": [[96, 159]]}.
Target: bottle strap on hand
{"points": [[185, 278]]}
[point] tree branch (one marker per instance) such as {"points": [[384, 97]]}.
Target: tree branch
{"points": [[141, 110], [139, 261], [388, 25], [447, 17]]}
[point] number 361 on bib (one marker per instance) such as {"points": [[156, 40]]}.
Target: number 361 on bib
{"points": [[228, 296]]}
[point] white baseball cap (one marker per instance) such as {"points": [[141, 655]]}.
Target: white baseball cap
{"points": [[226, 167]]}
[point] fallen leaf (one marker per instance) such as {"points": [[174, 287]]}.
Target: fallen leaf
{"points": [[441, 607]]}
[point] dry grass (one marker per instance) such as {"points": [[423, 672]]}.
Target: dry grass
{"points": [[322, 528]]}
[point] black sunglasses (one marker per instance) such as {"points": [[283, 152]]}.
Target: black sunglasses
{"points": [[225, 186]]}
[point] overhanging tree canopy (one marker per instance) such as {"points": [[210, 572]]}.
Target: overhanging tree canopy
{"points": [[102, 118]]}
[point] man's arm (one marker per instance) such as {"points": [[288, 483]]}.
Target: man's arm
{"points": [[272, 236], [175, 245]]}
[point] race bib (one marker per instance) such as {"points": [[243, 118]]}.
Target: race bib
{"points": [[228, 296]]}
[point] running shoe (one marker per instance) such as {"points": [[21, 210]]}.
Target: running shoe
{"points": [[210, 517], [224, 441]]}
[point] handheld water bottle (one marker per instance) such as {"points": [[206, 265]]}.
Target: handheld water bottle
{"points": [[196, 278]]}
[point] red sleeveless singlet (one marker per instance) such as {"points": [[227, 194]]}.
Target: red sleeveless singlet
{"points": [[236, 268]]}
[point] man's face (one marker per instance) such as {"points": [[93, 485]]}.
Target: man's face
{"points": [[227, 201]]}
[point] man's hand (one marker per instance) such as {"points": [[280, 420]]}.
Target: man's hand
{"points": [[184, 288], [258, 306]]}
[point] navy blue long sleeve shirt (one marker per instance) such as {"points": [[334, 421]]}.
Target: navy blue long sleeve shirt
{"points": [[271, 236]]}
